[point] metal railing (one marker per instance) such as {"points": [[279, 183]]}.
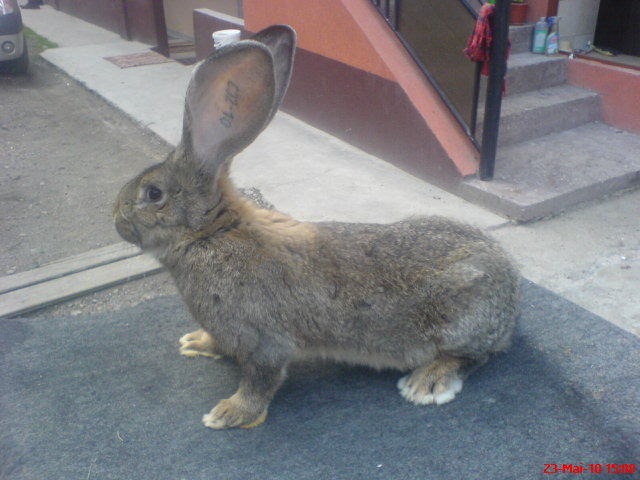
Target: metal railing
{"points": [[435, 33]]}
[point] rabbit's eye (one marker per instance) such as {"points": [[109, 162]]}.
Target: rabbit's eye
{"points": [[154, 194]]}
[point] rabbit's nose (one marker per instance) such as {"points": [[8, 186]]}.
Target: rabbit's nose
{"points": [[120, 208]]}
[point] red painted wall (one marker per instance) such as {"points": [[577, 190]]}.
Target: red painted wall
{"points": [[108, 14], [141, 20], [619, 90], [324, 26], [353, 32]]}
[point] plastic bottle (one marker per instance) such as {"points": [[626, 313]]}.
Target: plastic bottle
{"points": [[540, 32], [553, 37]]}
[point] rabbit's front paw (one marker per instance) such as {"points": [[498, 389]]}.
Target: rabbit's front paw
{"points": [[229, 413], [198, 344], [437, 382]]}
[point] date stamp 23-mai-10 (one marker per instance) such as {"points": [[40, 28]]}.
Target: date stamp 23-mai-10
{"points": [[590, 468]]}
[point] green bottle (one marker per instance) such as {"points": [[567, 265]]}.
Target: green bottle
{"points": [[540, 32]]}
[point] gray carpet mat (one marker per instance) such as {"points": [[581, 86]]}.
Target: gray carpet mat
{"points": [[108, 397]]}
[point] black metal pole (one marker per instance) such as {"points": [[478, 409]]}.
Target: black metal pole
{"points": [[495, 84], [473, 126]]}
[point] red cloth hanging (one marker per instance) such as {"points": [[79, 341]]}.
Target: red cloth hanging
{"points": [[479, 44]]}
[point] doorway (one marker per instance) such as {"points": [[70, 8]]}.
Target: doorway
{"points": [[618, 31], [618, 26]]}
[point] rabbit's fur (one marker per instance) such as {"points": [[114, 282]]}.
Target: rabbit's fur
{"points": [[427, 295]]}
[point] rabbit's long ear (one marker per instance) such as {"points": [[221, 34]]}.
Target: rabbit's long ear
{"points": [[229, 101], [281, 41]]}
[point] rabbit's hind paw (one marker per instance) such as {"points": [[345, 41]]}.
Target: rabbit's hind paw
{"points": [[229, 413], [198, 344], [437, 382]]}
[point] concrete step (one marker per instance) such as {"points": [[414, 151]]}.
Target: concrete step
{"points": [[521, 37], [527, 72], [530, 115], [546, 175]]}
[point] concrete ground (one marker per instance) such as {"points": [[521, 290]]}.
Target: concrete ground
{"points": [[589, 255]]}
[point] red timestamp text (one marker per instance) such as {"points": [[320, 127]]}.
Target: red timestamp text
{"points": [[589, 468]]}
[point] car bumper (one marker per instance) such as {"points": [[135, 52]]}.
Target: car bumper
{"points": [[11, 46]]}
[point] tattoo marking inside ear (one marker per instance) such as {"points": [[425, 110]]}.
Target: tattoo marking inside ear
{"points": [[231, 98]]}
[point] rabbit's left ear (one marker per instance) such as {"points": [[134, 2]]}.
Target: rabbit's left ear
{"points": [[229, 101], [281, 41]]}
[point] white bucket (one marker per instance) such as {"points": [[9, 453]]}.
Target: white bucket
{"points": [[225, 37]]}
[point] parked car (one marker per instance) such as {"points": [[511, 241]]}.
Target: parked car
{"points": [[13, 47]]}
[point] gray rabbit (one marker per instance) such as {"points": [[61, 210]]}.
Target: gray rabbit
{"points": [[429, 296]]}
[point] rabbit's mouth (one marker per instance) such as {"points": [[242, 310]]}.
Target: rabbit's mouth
{"points": [[127, 231]]}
